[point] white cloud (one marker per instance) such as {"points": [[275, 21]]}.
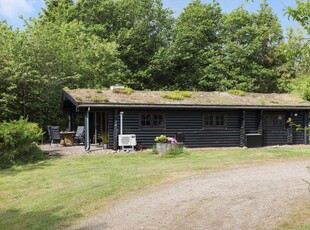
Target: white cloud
{"points": [[13, 8]]}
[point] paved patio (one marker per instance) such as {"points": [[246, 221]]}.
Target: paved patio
{"points": [[59, 150]]}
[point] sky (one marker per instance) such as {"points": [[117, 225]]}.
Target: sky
{"points": [[10, 10]]}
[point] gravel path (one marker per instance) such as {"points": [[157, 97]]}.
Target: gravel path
{"points": [[252, 197]]}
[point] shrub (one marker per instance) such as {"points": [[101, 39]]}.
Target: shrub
{"points": [[17, 141]]}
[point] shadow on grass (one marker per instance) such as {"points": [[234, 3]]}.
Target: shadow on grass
{"points": [[48, 219], [13, 168]]}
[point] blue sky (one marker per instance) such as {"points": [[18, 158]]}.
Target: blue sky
{"points": [[11, 9]]}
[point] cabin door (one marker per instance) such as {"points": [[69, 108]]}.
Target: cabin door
{"points": [[100, 128]]}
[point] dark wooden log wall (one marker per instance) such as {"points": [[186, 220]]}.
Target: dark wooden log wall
{"points": [[191, 123]]}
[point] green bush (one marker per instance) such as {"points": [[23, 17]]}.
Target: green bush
{"points": [[18, 141]]}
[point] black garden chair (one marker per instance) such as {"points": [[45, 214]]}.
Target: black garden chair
{"points": [[79, 135], [53, 133]]}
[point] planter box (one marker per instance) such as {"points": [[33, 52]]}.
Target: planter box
{"points": [[165, 147]]}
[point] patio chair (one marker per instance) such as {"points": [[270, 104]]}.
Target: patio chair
{"points": [[53, 133], [79, 135]]}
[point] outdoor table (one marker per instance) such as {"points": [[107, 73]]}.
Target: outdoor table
{"points": [[68, 138]]}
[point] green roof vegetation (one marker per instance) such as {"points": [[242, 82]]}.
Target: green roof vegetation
{"points": [[99, 99], [177, 95], [184, 98], [236, 92], [126, 90]]}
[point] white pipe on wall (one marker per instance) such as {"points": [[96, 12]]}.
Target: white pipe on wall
{"points": [[121, 122]]}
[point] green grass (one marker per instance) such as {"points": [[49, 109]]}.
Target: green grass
{"points": [[55, 193]]}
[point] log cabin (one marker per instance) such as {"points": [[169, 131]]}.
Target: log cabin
{"points": [[198, 119]]}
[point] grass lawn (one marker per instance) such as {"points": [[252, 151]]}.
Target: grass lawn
{"points": [[55, 193]]}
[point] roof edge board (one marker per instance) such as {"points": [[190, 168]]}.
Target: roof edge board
{"points": [[176, 106]]}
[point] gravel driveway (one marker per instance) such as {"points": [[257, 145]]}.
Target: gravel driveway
{"points": [[251, 197]]}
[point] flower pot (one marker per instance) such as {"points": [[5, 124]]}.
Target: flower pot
{"points": [[163, 147]]}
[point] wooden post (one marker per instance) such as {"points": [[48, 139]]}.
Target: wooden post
{"points": [[115, 131], [260, 125], [87, 139], [242, 130], [306, 114], [96, 131]]}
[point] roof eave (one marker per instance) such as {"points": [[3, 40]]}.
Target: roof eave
{"points": [[178, 106], [66, 95]]}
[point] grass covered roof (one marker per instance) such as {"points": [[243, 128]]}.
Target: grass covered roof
{"points": [[179, 98]]}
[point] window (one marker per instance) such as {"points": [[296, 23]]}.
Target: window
{"points": [[215, 120], [151, 120], [145, 120], [274, 119]]}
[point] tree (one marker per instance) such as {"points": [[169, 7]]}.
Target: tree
{"points": [[294, 63], [301, 13], [268, 53], [52, 55], [7, 63], [239, 50], [189, 63], [56, 10], [140, 28], [99, 17]]}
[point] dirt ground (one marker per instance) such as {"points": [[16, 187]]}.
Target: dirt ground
{"points": [[251, 197]]}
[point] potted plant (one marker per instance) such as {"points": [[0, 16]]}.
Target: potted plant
{"points": [[164, 143], [105, 141]]}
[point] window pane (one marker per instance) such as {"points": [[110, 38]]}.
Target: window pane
{"points": [[151, 120], [216, 120], [145, 120], [280, 120], [222, 123], [274, 120], [158, 120], [209, 120]]}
